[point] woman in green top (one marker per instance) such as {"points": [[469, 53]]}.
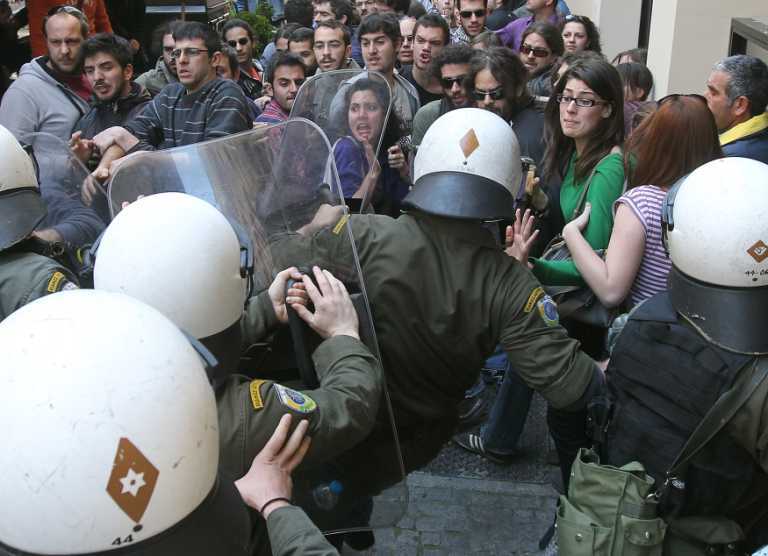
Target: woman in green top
{"points": [[584, 131]]}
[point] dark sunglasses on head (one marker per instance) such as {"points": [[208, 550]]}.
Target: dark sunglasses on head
{"points": [[574, 19], [242, 41], [677, 95], [466, 14], [495, 94], [447, 82], [71, 10], [526, 49]]}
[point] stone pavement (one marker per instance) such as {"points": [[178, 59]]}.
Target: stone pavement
{"points": [[463, 504], [457, 516]]}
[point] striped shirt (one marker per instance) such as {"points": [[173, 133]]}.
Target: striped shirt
{"points": [[175, 118], [646, 203]]}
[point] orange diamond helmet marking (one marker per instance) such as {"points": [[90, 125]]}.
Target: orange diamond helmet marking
{"points": [[469, 143], [132, 481], [759, 251]]}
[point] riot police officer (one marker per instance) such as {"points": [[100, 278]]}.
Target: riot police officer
{"points": [[114, 449], [443, 292], [684, 349], [180, 255], [26, 273]]}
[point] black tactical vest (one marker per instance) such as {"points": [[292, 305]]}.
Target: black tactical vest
{"points": [[663, 378]]}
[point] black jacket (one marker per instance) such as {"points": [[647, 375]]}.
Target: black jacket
{"points": [[103, 115]]}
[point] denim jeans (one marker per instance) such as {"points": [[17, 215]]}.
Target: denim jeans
{"points": [[508, 414]]}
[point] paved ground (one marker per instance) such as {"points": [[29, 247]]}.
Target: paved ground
{"points": [[463, 504]]}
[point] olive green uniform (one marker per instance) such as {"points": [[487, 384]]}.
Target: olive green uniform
{"points": [[26, 276], [341, 412], [443, 295], [292, 533]]}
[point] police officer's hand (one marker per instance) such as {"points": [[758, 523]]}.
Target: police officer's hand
{"points": [[334, 313], [268, 485], [295, 295]]}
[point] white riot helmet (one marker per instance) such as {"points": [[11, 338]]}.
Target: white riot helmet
{"points": [[180, 255], [716, 231], [21, 208], [109, 435], [468, 166]]}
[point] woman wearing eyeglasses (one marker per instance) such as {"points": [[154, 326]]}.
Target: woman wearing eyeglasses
{"points": [[678, 138], [580, 34], [540, 47], [584, 131]]}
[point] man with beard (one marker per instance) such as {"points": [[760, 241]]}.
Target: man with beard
{"points": [[165, 70], [285, 76], [333, 49], [239, 35], [472, 16], [450, 67], [51, 93], [200, 107], [431, 34], [301, 43], [499, 83], [107, 64]]}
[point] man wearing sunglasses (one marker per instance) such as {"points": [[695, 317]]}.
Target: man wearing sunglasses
{"points": [[51, 93], [498, 82], [541, 11], [164, 71], [450, 67], [472, 15], [239, 35]]}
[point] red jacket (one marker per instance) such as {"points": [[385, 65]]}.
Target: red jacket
{"points": [[94, 10]]}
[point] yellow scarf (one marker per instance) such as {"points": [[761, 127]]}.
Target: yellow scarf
{"points": [[750, 127]]}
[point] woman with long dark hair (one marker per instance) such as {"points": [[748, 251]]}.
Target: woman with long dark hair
{"points": [[580, 34], [384, 179], [678, 138], [584, 131]]}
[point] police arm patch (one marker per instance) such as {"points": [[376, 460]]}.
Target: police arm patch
{"points": [[59, 283], [256, 399], [548, 311], [297, 401], [533, 298]]}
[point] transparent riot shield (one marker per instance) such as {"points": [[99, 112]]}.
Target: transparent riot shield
{"points": [[279, 185], [61, 176], [352, 107]]}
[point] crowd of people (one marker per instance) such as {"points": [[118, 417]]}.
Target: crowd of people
{"points": [[442, 119]]}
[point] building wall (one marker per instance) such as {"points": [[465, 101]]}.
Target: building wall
{"points": [[689, 36], [618, 20]]}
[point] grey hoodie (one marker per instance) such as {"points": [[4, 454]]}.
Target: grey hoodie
{"points": [[156, 79], [36, 102]]}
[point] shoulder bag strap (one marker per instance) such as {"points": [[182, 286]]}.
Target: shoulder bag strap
{"points": [[720, 414], [577, 210]]}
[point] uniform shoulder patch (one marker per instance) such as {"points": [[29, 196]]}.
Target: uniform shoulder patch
{"points": [[548, 311], [533, 298], [340, 224], [59, 282], [297, 401], [256, 399]]}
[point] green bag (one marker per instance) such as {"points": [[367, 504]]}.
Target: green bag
{"points": [[609, 511], [613, 511]]}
